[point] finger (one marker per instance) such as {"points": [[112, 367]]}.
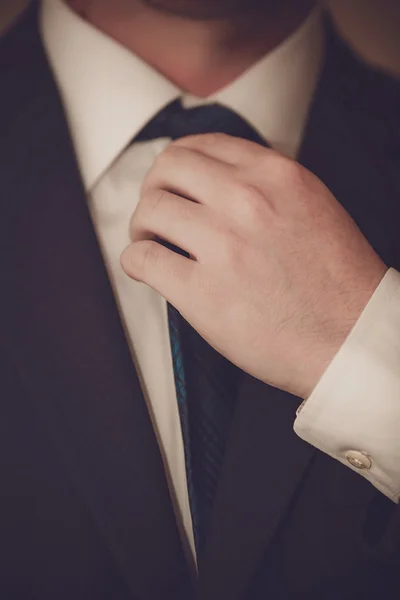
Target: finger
{"points": [[229, 149], [255, 165], [192, 175], [167, 272], [174, 219]]}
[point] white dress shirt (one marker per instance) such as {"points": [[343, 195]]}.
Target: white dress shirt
{"points": [[109, 94]]}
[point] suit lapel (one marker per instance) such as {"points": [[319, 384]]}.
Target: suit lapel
{"points": [[65, 333], [266, 462]]}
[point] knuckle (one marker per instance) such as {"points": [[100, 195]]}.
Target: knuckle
{"points": [[249, 203], [211, 139], [230, 248], [153, 199], [270, 160], [161, 163], [278, 172], [149, 203], [186, 211], [285, 168], [169, 154], [205, 139], [293, 171], [143, 256]]}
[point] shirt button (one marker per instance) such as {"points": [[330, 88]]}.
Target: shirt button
{"points": [[359, 460]]}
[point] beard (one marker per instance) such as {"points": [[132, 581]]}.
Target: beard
{"points": [[207, 10]]}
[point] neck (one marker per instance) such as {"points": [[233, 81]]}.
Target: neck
{"points": [[200, 57]]}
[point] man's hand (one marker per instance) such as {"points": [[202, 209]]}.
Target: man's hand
{"points": [[279, 273]]}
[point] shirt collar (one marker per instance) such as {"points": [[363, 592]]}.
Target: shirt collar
{"points": [[274, 95], [109, 93]]}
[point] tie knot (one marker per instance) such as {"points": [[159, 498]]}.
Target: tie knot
{"points": [[175, 121]]}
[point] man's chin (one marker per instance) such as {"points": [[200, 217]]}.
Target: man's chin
{"points": [[206, 10]]}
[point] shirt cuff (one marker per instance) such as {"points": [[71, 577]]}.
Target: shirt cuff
{"points": [[353, 413]]}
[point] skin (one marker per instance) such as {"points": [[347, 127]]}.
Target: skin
{"points": [[202, 45], [278, 272]]}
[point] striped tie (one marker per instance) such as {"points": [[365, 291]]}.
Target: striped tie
{"points": [[206, 383]]}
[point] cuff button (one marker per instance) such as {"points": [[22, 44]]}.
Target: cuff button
{"points": [[358, 460]]}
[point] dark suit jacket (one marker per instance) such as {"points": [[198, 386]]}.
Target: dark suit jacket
{"points": [[85, 512]]}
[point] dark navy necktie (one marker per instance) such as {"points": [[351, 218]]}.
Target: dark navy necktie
{"points": [[206, 383]]}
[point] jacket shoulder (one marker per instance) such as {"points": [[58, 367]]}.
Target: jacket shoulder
{"points": [[23, 65], [357, 83]]}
